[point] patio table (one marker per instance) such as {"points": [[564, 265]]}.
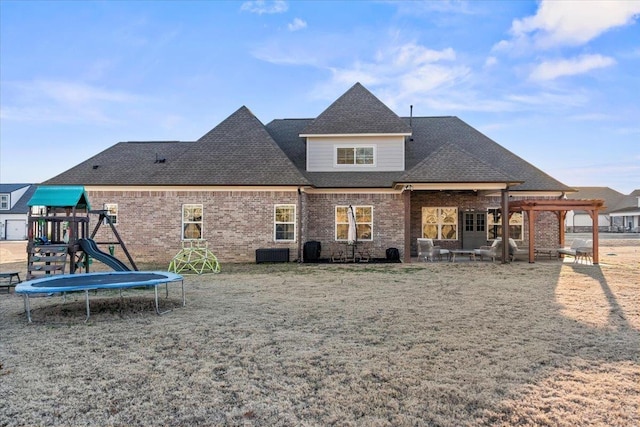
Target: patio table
{"points": [[470, 252], [550, 252]]}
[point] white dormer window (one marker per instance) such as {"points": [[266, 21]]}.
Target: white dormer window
{"points": [[4, 202], [358, 155]]}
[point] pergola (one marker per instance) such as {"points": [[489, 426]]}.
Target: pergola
{"points": [[560, 208]]}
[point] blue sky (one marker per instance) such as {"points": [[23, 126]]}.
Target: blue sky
{"points": [[556, 82]]}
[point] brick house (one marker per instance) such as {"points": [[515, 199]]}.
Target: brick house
{"points": [[244, 185]]}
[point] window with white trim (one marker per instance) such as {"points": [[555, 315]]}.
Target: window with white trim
{"points": [[4, 202], [192, 222], [364, 222], [284, 223], [355, 156], [111, 212], [494, 224], [38, 210], [440, 223]]}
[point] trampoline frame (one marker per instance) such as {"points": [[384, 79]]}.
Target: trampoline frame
{"points": [[31, 287]]}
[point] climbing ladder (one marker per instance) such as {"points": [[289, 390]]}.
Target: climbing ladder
{"points": [[46, 259]]}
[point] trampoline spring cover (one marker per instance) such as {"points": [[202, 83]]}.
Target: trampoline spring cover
{"points": [[101, 280]]}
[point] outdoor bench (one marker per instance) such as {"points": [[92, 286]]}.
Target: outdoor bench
{"points": [[9, 275]]}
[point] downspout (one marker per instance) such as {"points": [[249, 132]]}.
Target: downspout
{"points": [[594, 231], [299, 225], [505, 225], [407, 224]]}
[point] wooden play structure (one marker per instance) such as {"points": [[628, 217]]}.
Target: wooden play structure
{"points": [[58, 232]]}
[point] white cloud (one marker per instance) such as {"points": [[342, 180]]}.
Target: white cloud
{"points": [[405, 71], [61, 101], [490, 61], [572, 23], [78, 93], [550, 100], [297, 24], [549, 70], [592, 117], [413, 54], [262, 6], [446, 7]]}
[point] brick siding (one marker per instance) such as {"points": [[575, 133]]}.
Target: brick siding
{"points": [[235, 224], [388, 220]]}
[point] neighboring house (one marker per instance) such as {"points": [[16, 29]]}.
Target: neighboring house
{"points": [[581, 222], [244, 186], [14, 210], [627, 212]]}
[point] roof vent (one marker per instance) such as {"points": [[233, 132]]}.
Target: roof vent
{"points": [[160, 159], [95, 167]]}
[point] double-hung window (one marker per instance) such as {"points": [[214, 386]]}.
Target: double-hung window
{"points": [[494, 222], [192, 222], [4, 202], [284, 223], [364, 222], [355, 156], [440, 223], [111, 212]]}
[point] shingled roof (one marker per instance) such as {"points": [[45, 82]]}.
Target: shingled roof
{"points": [[610, 196], [430, 133], [126, 163], [239, 151], [439, 167], [19, 206], [243, 151], [358, 111], [629, 203], [438, 145]]}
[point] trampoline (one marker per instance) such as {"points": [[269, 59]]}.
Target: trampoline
{"points": [[94, 281]]}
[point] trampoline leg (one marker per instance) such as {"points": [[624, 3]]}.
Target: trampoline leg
{"points": [[155, 289], [184, 301], [27, 307], [88, 313]]}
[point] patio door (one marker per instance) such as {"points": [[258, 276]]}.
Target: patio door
{"points": [[474, 229]]}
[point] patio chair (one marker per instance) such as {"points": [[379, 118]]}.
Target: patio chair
{"points": [[428, 251], [337, 253], [578, 245], [494, 251], [515, 252], [364, 254]]}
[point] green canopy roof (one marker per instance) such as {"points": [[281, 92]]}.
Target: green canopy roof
{"points": [[60, 197]]}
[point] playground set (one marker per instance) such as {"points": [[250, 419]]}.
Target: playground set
{"points": [[58, 231]]}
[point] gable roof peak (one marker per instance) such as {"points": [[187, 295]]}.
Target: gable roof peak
{"points": [[357, 111], [241, 117], [239, 151]]}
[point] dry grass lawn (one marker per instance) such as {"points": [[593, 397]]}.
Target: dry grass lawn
{"points": [[550, 344]]}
